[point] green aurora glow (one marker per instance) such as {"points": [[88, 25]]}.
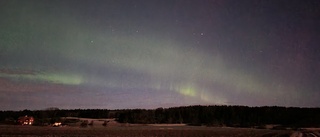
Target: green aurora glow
{"points": [[66, 79], [178, 53]]}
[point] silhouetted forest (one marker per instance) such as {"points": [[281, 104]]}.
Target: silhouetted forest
{"points": [[235, 116]]}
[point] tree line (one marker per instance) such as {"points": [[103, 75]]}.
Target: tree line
{"points": [[236, 116]]}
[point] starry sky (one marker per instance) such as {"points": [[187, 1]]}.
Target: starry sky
{"points": [[115, 54]]}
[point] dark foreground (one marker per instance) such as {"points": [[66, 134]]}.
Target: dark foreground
{"points": [[139, 131]]}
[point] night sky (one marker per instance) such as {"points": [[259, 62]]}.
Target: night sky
{"points": [[115, 54]]}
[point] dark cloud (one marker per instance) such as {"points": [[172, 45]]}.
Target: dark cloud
{"points": [[16, 71]]}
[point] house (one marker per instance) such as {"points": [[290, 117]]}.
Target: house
{"points": [[25, 120]]}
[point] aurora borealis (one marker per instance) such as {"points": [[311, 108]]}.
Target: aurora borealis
{"points": [[158, 53]]}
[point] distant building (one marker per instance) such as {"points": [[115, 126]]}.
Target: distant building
{"points": [[57, 124], [25, 120]]}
